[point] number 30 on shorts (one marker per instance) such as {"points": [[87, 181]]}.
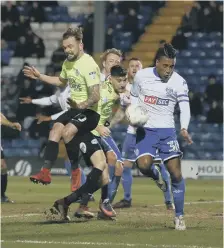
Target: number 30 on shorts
{"points": [[174, 146]]}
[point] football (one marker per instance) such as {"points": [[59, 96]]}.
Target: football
{"points": [[136, 115]]}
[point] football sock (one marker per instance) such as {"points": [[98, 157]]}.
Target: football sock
{"points": [[111, 171], [73, 153], [166, 178], [104, 192], [68, 167], [4, 181], [111, 176], [51, 154], [83, 176], [76, 179], [127, 181], [91, 185], [154, 173], [178, 190], [85, 199], [113, 187]]}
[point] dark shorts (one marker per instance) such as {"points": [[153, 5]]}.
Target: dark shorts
{"points": [[87, 145], [103, 145], [85, 120]]}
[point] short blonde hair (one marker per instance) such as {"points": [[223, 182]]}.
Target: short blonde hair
{"points": [[115, 51]]}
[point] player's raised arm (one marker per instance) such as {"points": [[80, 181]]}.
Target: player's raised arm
{"points": [[32, 72], [44, 101], [185, 113], [4, 121]]}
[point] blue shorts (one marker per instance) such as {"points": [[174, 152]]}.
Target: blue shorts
{"points": [[114, 147], [128, 148], [162, 139]]}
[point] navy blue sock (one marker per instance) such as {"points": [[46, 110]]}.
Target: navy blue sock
{"points": [[127, 181]]}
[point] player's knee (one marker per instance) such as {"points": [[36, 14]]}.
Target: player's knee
{"points": [[119, 169], [144, 163], [176, 176], [69, 132], [101, 165], [56, 132], [105, 178], [111, 158]]}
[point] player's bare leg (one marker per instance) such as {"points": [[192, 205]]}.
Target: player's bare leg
{"points": [[51, 153]]}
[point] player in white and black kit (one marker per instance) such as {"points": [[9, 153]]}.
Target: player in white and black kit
{"points": [[158, 89]]}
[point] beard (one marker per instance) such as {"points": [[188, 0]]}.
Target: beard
{"points": [[71, 57]]}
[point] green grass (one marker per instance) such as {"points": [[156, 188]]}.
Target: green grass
{"points": [[143, 225]]}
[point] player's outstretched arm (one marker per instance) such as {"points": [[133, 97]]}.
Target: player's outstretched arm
{"points": [[4, 121], [44, 118], [44, 101], [33, 73]]}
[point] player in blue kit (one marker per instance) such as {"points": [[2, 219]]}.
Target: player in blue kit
{"points": [[157, 90]]}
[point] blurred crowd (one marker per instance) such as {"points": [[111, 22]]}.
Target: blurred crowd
{"points": [[19, 40], [17, 37], [208, 106], [205, 16]]}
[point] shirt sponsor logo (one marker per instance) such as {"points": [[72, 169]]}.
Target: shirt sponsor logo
{"points": [[156, 100]]}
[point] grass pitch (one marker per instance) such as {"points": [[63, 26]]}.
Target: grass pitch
{"points": [[146, 224]]}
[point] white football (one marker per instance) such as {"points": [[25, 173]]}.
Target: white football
{"points": [[136, 115]]}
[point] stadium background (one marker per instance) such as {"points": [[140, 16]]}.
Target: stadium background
{"points": [[31, 33]]}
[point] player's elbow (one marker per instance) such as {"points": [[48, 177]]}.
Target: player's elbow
{"points": [[61, 82]]}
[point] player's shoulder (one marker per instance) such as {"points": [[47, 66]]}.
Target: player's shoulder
{"points": [[145, 72], [86, 58], [178, 79]]}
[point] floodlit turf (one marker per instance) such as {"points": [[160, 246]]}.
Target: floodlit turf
{"points": [[143, 225]]}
